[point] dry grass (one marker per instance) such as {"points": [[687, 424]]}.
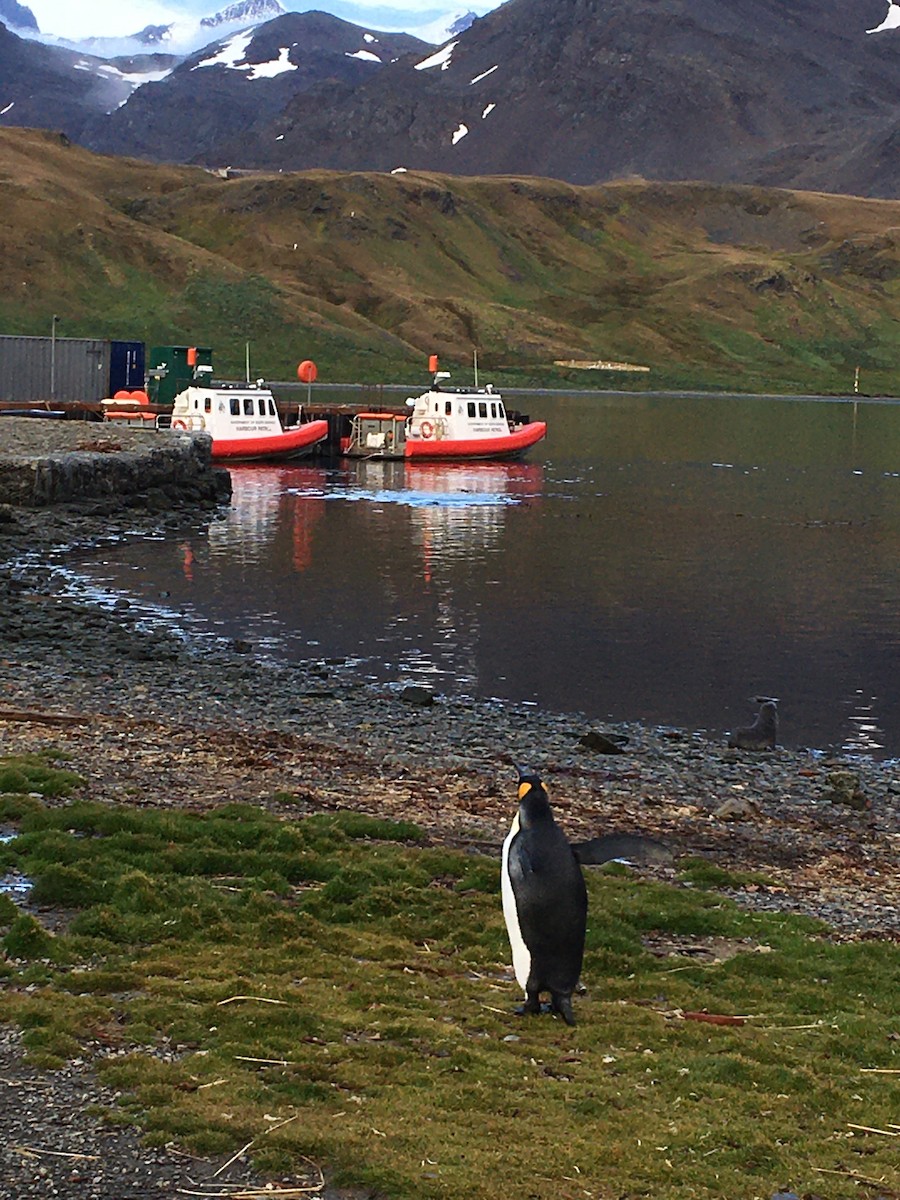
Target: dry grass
{"points": [[710, 286]]}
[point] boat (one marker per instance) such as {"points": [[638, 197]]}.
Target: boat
{"points": [[243, 421], [445, 424]]}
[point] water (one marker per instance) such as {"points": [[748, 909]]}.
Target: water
{"points": [[661, 559]]}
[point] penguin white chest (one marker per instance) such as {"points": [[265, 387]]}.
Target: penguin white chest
{"points": [[521, 955]]}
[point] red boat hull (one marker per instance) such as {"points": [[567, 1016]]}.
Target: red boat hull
{"points": [[283, 445], [490, 447]]}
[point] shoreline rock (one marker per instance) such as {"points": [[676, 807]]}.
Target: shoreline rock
{"points": [[75, 461], [150, 716]]}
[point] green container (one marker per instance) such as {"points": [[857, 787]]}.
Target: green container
{"points": [[169, 372]]}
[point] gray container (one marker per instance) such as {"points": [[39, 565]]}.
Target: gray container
{"points": [[38, 370]]}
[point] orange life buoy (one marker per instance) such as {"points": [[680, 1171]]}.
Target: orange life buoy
{"points": [[426, 429], [178, 423]]}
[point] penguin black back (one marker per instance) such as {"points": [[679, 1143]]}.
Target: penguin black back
{"points": [[544, 902]]}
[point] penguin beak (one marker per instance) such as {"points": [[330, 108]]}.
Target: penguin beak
{"points": [[527, 779]]}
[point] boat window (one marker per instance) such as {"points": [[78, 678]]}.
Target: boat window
{"points": [[262, 406], [207, 404], [235, 406], [493, 410], [448, 408], [196, 404], [482, 408], [248, 406], [272, 412], [501, 409], [471, 408]]}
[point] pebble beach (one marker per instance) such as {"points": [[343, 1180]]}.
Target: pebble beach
{"points": [[151, 717]]}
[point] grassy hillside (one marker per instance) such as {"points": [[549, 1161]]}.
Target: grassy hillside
{"points": [[709, 286]]}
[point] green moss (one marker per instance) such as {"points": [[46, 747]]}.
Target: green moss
{"points": [[27, 938], [365, 992]]}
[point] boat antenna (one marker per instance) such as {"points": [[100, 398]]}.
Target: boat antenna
{"points": [[475, 357], [247, 357]]}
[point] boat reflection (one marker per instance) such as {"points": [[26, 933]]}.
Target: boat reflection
{"points": [[266, 503], [457, 510]]}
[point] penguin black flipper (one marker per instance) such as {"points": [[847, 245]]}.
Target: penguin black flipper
{"points": [[623, 847]]}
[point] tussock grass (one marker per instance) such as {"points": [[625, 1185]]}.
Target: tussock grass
{"points": [[245, 969]]}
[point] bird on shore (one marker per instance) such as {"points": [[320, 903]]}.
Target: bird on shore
{"points": [[763, 733], [544, 902]]}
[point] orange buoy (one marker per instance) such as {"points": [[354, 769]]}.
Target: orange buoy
{"points": [[433, 363], [192, 356], [121, 394], [307, 371], [140, 396]]}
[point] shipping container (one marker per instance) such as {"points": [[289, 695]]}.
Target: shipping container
{"points": [[42, 369], [172, 369]]}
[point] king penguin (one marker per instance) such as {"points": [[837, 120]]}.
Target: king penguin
{"points": [[544, 902]]}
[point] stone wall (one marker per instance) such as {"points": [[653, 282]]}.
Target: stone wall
{"points": [[52, 462]]}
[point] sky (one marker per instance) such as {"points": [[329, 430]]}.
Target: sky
{"points": [[112, 18]]}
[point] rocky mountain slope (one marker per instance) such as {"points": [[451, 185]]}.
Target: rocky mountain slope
{"points": [[796, 94], [201, 111], [19, 16], [51, 87]]}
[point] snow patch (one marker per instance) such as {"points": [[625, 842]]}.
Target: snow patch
{"points": [[365, 55], [4, 111], [369, 38], [891, 21], [441, 59], [396, 170], [459, 134], [484, 74], [230, 54], [276, 66], [490, 108]]}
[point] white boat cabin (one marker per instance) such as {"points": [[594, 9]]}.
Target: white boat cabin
{"points": [[457, 414], [228, 410]]}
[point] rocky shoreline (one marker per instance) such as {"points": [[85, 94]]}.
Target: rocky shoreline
{"points": [[149, 715]]}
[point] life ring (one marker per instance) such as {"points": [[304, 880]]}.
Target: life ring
{"points": [[426, 429], [179, 423]]}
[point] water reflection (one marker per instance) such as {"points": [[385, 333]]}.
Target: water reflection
{"points": [[656, 559]]}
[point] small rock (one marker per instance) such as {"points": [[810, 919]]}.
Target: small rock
{"points": [[414, 693], [600, 743], [737, 808], [843, 787], [240, 646]]}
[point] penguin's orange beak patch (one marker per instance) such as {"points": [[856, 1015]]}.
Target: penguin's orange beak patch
{"points": [[524, 789]]}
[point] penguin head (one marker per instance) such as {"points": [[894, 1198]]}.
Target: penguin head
{"points": [[534, 804]]}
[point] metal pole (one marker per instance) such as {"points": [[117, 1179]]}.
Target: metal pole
{"points": [[53, 357], [248, 361]]}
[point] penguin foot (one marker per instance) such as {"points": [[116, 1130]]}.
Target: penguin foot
{"points": [[563, 1006], [531, 1008]]}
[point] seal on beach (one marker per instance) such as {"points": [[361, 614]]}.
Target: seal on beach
{"points": [[544, 902], [763, 733]]}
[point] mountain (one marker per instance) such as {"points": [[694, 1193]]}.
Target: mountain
{"points": [[788, 92], [18, 16], [245, 12], [449, 26], [187, 35], [55, 88], [753, 289], [210, 100]]}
